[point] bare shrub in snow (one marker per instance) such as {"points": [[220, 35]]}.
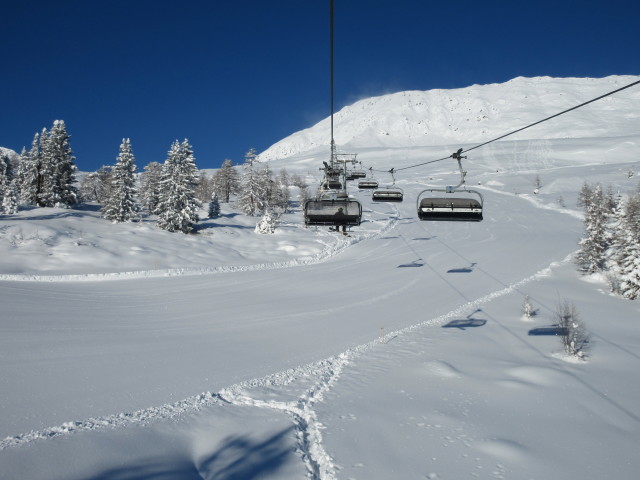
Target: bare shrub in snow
{"points": [[573, 333]]}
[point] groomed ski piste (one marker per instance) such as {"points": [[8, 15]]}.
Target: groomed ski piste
{"points": [[398, 352]]}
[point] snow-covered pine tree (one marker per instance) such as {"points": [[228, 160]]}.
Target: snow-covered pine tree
{"points": [[214, 206], [10, 199], [591, 256], [5, 179], [27, 173], [584, 197], [178, 206], [267, 224], [150, 187], [252, 198], [120, 205], [627, 248], [58, 168], [226, 181]]}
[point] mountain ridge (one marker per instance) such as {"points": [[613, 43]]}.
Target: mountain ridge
{"points": [[474, 114]]}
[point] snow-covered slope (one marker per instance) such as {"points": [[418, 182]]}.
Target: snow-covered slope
{"points": [[398, 352], [474, 114]]}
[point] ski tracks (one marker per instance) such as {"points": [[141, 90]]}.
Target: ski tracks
{"points": [[259, 393]]}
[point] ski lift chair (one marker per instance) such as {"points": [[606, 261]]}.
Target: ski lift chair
{"points": [[455, 205], [389, 193], [451, 203], [367, 184], [334, 210]]}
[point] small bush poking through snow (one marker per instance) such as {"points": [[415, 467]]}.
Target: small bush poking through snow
{"points": [[527, 308], [574, 335]]}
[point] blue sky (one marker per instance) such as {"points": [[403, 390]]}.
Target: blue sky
{"points": [[232, 75]]}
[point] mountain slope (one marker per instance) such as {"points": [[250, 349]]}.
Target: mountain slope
{"points": [[474, 114]]}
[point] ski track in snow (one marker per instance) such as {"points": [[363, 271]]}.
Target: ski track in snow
{"points": [[318, 462], [327, 372]]}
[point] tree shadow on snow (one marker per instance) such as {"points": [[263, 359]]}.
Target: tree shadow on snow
{"points": [[242, 458], [239, 458]]}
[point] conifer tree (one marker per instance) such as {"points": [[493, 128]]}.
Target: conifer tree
{"points": [[29, 178], [178, 206], [10, 199], [5, 180], [57, 171], [267, 224], [252, 198], [627, 248], [214, 206], [591, 257], [120, 205], [150, 187], [226, 181]]}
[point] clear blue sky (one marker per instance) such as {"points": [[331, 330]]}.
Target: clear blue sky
{"points": [[231, 75]]}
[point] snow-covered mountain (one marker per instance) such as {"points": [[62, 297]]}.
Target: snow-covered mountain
{"points": [[9, 153], [474, 114]]}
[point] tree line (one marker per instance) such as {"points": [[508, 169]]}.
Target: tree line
{"points": [[174, 191], [611, 243]]}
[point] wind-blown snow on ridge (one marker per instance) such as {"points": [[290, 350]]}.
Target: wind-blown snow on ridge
{"points": [[474, 114]]}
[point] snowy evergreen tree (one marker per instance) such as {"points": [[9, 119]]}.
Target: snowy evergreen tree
{"points": [[57, 171], [58, 168], [150, 182], [27, 174], [226, 181], [30, 175], [584, 197], [10, 199], [591, 256], [214, 206], [270, 188], [121, 205], [627, 248], [253, 196], [6, 182], [267, 224], [178, 206]]}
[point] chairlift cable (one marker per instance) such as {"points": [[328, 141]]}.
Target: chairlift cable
{"points": [[553, 116], [523, 128], [333, 143]]}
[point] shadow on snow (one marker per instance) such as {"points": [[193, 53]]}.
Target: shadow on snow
{"points": [[238, 458]]}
